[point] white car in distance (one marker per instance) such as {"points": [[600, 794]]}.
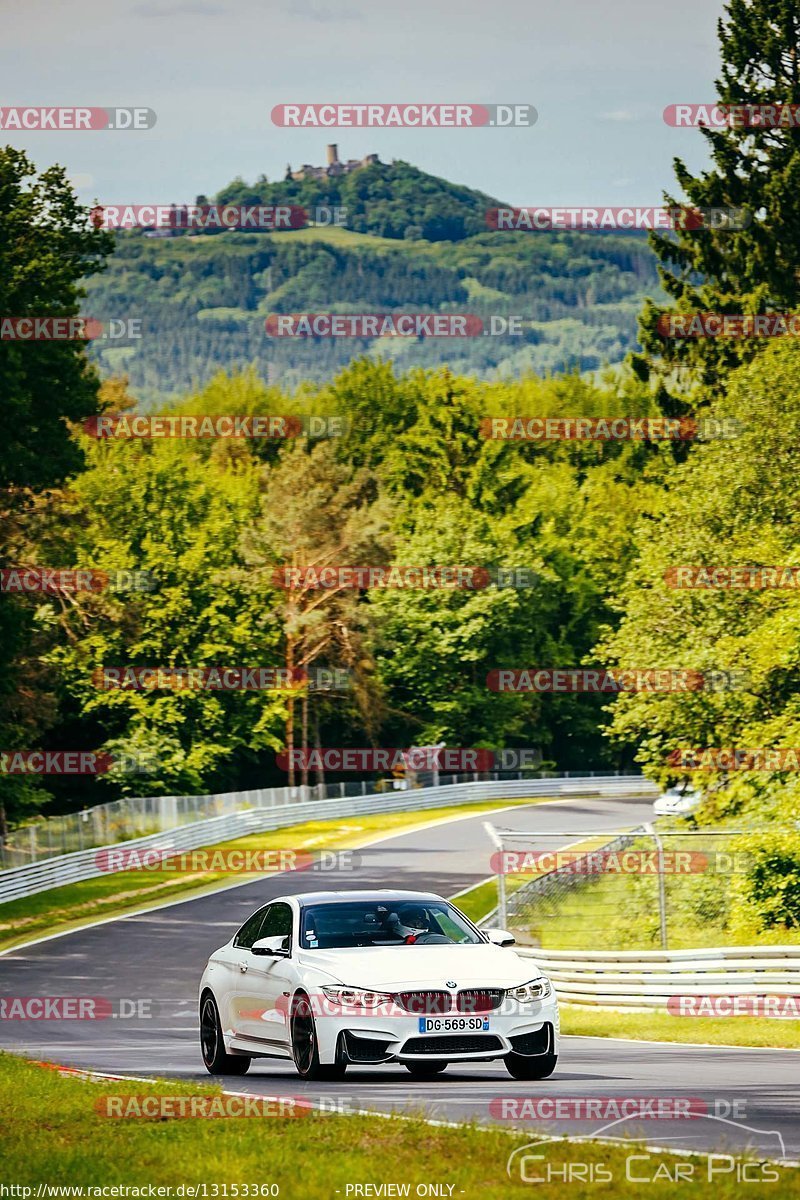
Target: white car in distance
{"points": [[677, 802], [329, 979]]}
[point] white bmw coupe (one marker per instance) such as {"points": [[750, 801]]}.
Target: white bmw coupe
{"points": [[327, 979]]}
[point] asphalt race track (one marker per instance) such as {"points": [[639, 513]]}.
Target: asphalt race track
{"points": [[157, 958]]}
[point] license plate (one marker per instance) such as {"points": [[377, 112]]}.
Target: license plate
{"points": [[453, 1024]]}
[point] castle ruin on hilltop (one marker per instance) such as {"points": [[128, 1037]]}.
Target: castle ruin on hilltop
{"points": [[333, 167]]}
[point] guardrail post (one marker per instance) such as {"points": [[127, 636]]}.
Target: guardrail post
{"points": [[662, 886], [502, 906]]}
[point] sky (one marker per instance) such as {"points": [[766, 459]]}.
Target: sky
{"points": [[599, 73]]}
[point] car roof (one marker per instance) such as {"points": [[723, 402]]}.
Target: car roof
{"points": [[304, 899]]}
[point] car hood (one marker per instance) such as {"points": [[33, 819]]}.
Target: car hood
{"points": [[406, 967]]}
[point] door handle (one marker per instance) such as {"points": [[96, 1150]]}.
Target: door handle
{"points": [[243, 967]]}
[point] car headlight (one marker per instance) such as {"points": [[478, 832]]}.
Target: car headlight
{"points": [[356, 997], [536, 989]]}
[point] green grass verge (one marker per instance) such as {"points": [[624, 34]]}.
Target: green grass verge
{"points": [[478, 901], [55, 1135], [662, 1027], [481, 900], [113, 894]]}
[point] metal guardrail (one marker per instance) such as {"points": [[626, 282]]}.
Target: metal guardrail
{"points": [[643, 980], [139, 816], [83, 864]]}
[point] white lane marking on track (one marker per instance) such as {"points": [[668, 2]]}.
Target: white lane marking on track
{"points": [[593, 1037]]}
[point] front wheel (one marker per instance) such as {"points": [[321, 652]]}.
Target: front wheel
{"points": [[305, 1048], [215, 1056], [536, 1066], [425, 1070]]}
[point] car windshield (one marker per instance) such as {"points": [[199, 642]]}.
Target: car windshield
{"points": [[384, 923]]}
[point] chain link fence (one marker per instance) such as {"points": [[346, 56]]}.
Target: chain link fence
{"points": [[648, 888]]}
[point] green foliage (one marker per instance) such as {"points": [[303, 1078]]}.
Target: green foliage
{"points": [[412, 482], [767, 897], [733, 503], [176, 510], [203, 302], [756, 269], [388, 200], [46, 246]]}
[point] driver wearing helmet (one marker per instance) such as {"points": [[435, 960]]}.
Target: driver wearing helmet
{"points": [[395, 928]]}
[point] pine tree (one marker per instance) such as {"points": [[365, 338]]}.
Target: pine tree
{"points": [[755, 168]]}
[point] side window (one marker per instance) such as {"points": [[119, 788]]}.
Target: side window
{"points": [[277, 923], [249, 931]]}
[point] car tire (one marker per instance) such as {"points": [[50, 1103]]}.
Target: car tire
{"points": [[305, 1047], [531, 1066], [212, 1046], [426, 1070]]}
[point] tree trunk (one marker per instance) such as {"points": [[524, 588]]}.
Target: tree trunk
{"points": [[318, 747], [304, 718], [290, 707]]}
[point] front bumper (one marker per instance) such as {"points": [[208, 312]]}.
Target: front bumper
{"points": [[532, 1030], [449, 1047]]}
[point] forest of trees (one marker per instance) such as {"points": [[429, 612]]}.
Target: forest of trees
{"points": [[413, 482], [202, 301]]}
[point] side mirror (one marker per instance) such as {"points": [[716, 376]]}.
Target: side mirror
{"points": [[500, 937], [273, 947]]}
